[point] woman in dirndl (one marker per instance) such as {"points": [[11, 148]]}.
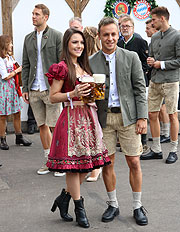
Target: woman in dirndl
{"points": [[10, 93], [77, 147]]}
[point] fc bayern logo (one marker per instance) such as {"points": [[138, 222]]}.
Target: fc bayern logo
{"points": [[142, 9], [121, 7]]}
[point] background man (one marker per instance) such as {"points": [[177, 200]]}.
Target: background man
{"points": [[163, 116], [76, 23], [42, 48], [121, 17], [122, 113], [165, 60]]}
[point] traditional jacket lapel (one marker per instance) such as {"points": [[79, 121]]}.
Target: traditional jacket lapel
{"points": [[35, 40], [44, 38], [119, 64]]}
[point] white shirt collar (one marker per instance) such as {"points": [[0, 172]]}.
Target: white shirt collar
{"points": [[109, 56], [128, 39]]}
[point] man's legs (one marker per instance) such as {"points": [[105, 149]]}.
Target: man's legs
{"points": [[156, 152], [164, 121], [135, 173], [31, 122], [174, 129], [174, 126], [135, 179], [109, 178], [109, 175], [45, 136], [155, 99]]}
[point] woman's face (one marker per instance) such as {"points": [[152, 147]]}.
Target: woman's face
{"points": [[10, 46], [76, 45]]}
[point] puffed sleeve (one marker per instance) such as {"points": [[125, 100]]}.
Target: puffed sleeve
{"points": [[3, 70], [57, 71]]}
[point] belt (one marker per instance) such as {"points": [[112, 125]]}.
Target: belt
{"points": [[75, 103], [114, 110]]}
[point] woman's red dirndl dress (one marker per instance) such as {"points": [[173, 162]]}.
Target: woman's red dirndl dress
{"points": [[77, 144]]}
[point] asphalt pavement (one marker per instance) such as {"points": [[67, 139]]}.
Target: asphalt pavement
{"points": [[26, 198]]}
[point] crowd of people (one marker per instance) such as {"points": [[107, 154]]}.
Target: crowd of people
{"points": [[79, 141]]}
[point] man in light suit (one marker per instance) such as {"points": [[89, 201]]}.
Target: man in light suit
{"points": [[122, 113], [165, 62]]}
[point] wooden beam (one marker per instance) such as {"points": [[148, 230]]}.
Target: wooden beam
{"points": [[14, 4], [84, 4], [71, 4], [178, 2], [77, 6], [7, 17]]}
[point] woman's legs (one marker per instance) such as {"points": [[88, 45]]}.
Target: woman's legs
{"points": [[3, 143], [3, 119], [17, 122], [73, 181], [17, 127]]}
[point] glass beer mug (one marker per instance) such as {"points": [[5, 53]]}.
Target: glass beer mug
{"points": [[99, 89], [90, 80]]}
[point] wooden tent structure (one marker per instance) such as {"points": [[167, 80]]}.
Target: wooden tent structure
{"points": [[77, 6]]}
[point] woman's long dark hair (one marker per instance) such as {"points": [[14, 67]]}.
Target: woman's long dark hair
{"points": [[82, 60], [5, 40]]}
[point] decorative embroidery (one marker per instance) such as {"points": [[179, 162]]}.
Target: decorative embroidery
{"points": [[83, 139]]}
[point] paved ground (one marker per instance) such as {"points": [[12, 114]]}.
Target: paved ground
{"points": [[26, 198]]}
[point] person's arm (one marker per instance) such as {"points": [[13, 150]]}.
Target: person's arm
{"points": [[59, 45], [139, 87], [143, 54], [174, 63], [25, 69], [56, 95], [3, 71]]}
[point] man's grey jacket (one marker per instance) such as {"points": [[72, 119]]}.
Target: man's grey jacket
{"points": [[130, 84], [51, 46], [166, 47]]}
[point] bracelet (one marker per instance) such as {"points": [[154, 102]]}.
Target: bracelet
{"points": [[15, 72], [68, 97]]}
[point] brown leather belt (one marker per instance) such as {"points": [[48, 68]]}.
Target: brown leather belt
{"points": [[114, 110]]}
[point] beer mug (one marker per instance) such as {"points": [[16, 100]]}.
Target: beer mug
{"points": [[99, 89], [90, 80]]}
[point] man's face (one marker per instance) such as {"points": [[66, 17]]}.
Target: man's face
{"points": [[150, 30], [127, 28], [157, 22], [38, 18], [109, 36], [76, 25]]}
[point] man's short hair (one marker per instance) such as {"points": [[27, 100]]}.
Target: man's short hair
{"points": [[75, 19], [44, 9], [161, 11], [148, 21], [106, 21], [128, 19]]}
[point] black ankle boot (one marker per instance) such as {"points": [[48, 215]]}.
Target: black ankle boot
{"points": [[80, 212], [21, 140], [3, 144], [62, 202]]}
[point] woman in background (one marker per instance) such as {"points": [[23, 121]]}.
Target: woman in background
{"points": [[10, 103]]}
